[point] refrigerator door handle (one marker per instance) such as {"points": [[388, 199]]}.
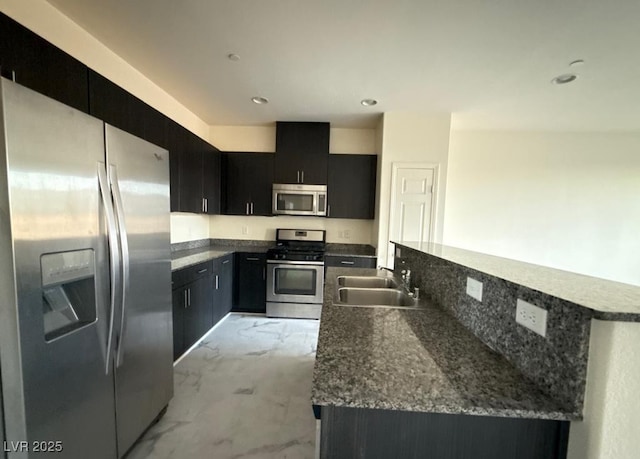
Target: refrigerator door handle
{"points": [[114, 254], [124, 248]]}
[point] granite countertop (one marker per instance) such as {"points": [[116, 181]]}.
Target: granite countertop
{"points": [[416, 360], [220, 247], [183, 258], [353, 250], [608, 299]]}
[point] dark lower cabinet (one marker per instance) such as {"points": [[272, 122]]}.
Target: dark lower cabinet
{"points": [[351, 186], [192, 305], [202, 296], [179, 300], [251, 272], [37, 64], [352, 433], [223, 287], [198, 314]]}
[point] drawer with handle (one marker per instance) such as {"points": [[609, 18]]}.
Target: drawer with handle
{"points": [[191, 273], [347, 261]]}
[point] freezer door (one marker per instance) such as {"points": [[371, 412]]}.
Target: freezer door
{"points": [[53, 278], [139, 174]]}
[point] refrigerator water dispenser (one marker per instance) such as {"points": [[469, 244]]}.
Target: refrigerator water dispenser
{"points": [[68, 291]]}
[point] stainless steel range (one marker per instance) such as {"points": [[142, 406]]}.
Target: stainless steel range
{"points": [[295, 274]]}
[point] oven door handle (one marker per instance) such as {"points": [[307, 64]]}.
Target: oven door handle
{"points": [[289, 263]]}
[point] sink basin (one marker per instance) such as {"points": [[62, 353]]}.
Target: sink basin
{"points": [[367, 282], [375, 297]]}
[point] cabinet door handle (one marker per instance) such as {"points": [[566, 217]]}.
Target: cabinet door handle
{"points": [[329, 211], [225, 262], [217, 282], [348, 262], [13, 76], [264, 273], [206, 205], [189, 295], [202, 271], [302, 181], [247, 210], [252, 208], [253, 259], [186, 303]]}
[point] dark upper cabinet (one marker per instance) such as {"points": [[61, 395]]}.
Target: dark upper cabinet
{"points": [[195, 165], [198, 178], [251, 284], [121, 109], [37, 64], [190, 167], [177, 145], [248, 180], [352, 186], [211, 178], [302, 151]]}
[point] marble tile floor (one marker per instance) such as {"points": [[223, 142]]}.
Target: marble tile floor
{"points": [[244, 392]]}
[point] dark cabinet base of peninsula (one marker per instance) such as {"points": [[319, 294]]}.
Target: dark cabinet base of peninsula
{"points": [[351, 433]]}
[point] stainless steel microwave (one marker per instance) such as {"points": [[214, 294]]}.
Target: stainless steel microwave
{"points": [[291, 199]]}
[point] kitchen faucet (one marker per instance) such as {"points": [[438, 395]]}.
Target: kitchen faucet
{"points": [[406, 278], [406, 281]]}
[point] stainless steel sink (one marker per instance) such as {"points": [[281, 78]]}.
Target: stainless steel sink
{"points": [[375, 297], [367, 282]]}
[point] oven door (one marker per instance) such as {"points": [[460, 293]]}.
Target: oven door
{"points": [[295, 202], [295, 281]]}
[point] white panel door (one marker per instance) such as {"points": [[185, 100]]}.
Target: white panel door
{"points": [[411, 207]]}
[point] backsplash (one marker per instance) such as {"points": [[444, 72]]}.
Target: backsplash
{"points": [[557, 363]]}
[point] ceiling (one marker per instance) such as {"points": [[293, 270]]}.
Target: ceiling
{"points": [[488, 63]]}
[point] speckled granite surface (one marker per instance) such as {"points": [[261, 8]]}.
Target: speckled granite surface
{"points": [[219, 247], [417, 360], [609, 300], [557, 363], [355, 250]]}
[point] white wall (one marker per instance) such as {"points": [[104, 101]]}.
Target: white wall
{"points": [[188, 227], [411, 137], [264, 228], [565, 200], [612, 405], [263, 139]]}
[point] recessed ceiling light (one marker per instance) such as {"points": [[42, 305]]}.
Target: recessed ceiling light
{"points": [[233, 57], [260, 100], [564, 79], [368, 102]]}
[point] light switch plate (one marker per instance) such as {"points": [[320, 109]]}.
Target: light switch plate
{"points": [[474, 288], [532, 317]]}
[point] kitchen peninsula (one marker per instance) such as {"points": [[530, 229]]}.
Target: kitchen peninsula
{"points": [[387, 374]]}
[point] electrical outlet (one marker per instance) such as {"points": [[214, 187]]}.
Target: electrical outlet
{"points": [[347, 234], [474, 289], [245, 230], [532, 317]]}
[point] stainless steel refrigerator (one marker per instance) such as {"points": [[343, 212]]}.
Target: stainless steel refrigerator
{"points": [[85, 279]]}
